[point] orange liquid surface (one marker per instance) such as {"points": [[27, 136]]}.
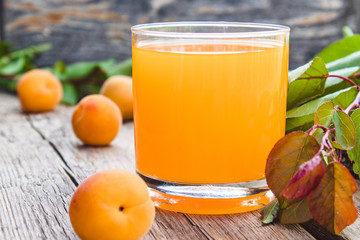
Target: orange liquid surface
{"points": [[208, 113]]}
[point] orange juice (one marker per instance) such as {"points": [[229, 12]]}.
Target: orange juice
{"points": [[208, 114]]}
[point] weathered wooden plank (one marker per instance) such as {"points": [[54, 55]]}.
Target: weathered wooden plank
{"points": [[34, 189], [84, 161], [42, 161], [247, 226], [90, 30]]}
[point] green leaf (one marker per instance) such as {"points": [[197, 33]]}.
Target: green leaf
{"points": [[347, 32], [29, 53], [14, 67], [344, 130], [33, 49], [59, 69], [340, 49], [334, 84], [306, 82], [123, 68], [78, 70], [297, 212], [70, 95], [337, 145], [343, 98], [351, 60], [269, 212], [26, 52], [286, 157], [107, 63], [323, 116], [354, 154], [331, 203], [302, 123]]}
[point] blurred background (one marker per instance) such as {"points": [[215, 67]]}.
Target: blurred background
{"points": [[84, 30]]}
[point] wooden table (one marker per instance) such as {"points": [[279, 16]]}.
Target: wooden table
{"points": [[42, 162]]}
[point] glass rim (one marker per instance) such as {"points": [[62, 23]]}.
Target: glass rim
{"points": [[271, 29]]}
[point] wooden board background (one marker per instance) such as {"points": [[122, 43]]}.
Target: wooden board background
{"points": [[42, 163], [92, 30]]}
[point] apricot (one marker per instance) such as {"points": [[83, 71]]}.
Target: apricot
{"points": [[96, 120], [112, 204], [119, 89], [39, 91]]}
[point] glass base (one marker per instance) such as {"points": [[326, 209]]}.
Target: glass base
{"points": [[209, 199]]}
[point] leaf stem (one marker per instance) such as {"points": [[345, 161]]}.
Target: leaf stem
{"points": [[337, 107], [339, 155], [347, 80], [325, 140], [315, 127]]}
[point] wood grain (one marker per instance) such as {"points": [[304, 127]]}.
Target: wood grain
{"points": [[42, 162], [93, 30], [84, 161], [34, 189]]}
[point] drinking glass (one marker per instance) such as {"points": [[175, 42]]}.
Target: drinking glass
{"points": [[209, 104]]}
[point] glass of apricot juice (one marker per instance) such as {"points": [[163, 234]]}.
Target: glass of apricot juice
{"points": [[209, 105]]}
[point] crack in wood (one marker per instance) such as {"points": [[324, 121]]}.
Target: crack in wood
{"points": [[200, 228], [67, 168], [319, 232]]}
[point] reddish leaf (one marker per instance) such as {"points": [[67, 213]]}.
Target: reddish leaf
{"points": [[331, 203], [306, 179], [286, 157]]}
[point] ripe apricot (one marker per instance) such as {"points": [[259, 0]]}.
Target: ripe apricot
{"points": [[39, 91], [119, 89], [96, 120], [112, 204]]}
